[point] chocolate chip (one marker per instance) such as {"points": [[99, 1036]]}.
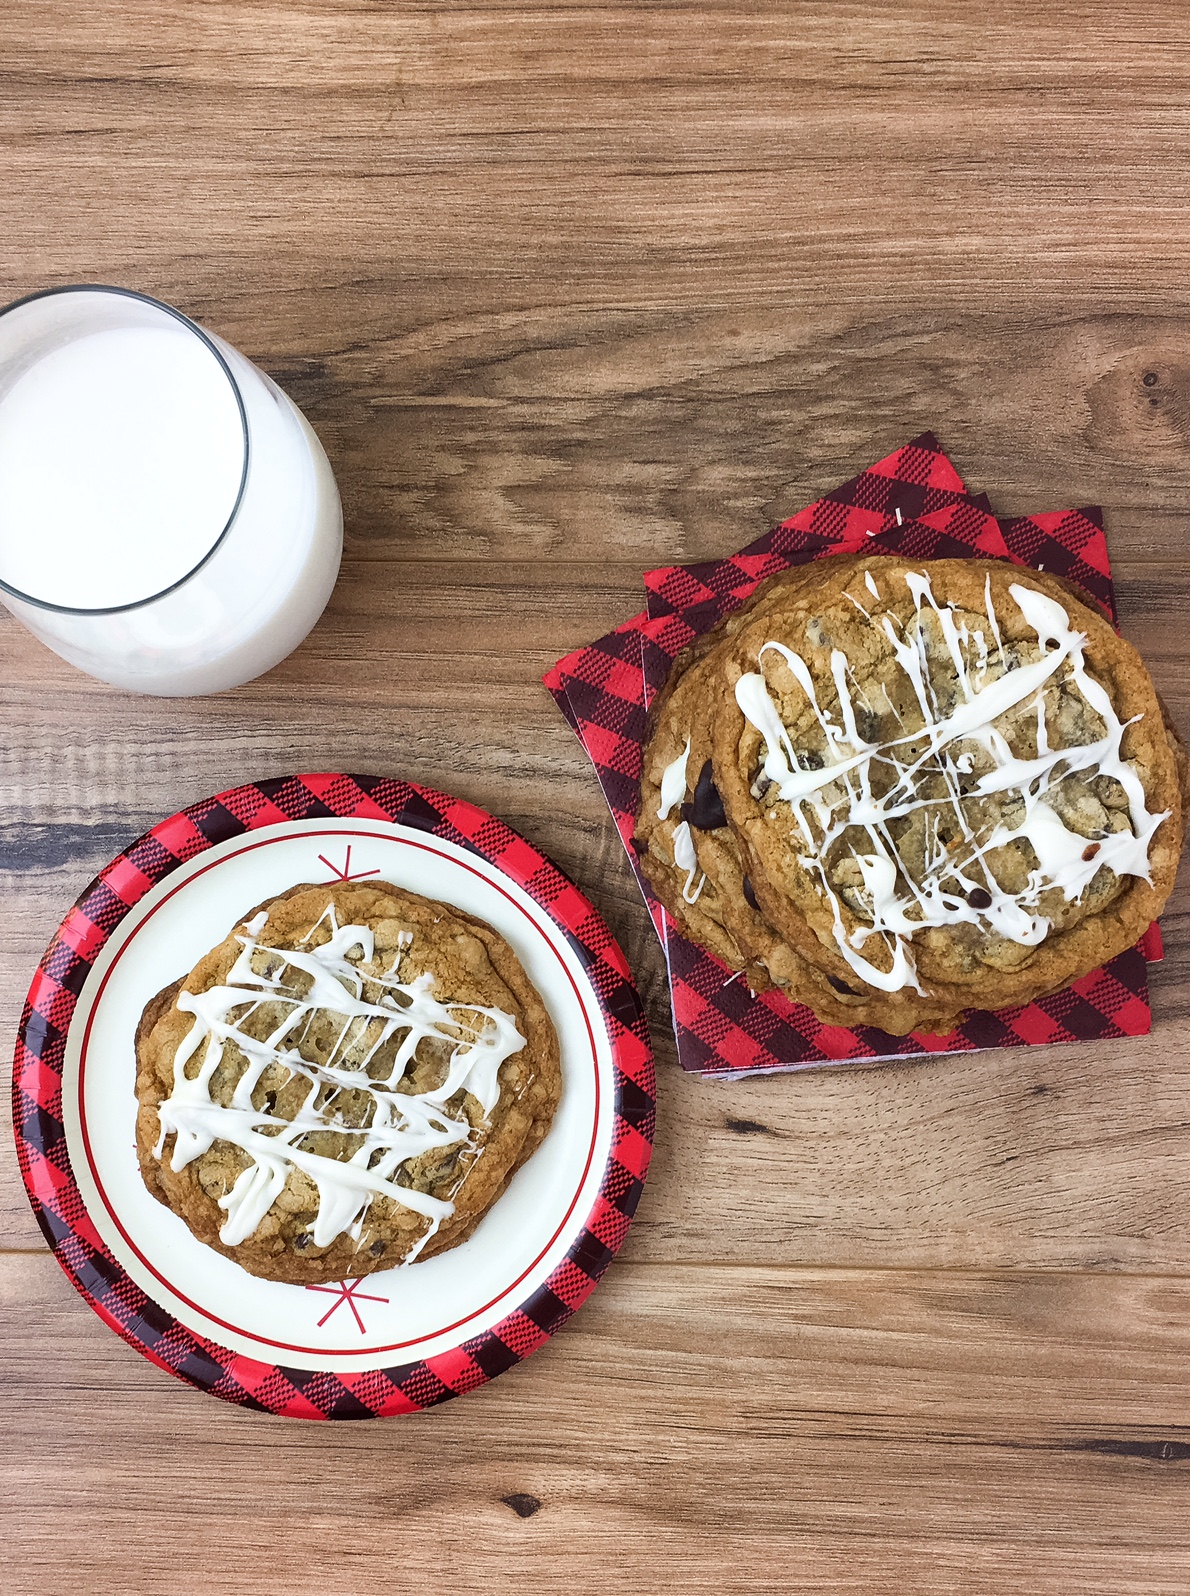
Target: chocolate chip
{"points": [[810, 761], [841, 986], [639, 847], [376, 1248], [1090, 852], [302, 1242], [750, 894], [979, 899], [706, 812]]}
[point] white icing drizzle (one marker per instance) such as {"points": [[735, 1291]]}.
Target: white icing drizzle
{"points": [[673, 783], [414, 1252], [403, 1125], [686, 858], [898, 906], [673, 791]]}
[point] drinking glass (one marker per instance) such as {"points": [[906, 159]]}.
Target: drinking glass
{"points": [[169, 521]]}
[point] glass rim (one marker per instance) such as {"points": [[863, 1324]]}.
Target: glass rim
{"points": [[206, 338]]}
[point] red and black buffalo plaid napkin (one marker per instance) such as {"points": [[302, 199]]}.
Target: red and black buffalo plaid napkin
{"points": [[912, 503]]}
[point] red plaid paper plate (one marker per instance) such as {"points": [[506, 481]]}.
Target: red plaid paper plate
{"points": [[398, 1340]]}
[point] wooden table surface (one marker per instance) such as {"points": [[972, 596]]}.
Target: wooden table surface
{"points": [[569, 292]]}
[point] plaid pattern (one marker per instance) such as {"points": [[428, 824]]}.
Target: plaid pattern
{"points": [[912, 504], [955, 531], [45, 1157], [600, 690], [1069, 543], [725, 1032]]}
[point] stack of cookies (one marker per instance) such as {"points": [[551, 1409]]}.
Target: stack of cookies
{"points": [[902, 791]]}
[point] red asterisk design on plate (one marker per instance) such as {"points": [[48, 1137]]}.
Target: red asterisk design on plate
{"points": [[346, 874], [346, 1291]]}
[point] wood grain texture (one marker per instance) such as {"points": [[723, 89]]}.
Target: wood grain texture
{"points": [[568, 292]]}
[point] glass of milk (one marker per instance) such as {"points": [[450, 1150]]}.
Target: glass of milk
{"points": [[168, 519]]}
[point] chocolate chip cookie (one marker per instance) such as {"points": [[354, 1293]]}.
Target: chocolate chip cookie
{"points": [[938, 787], [347, 1082]]}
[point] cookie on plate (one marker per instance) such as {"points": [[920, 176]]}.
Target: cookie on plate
{"points": [[347, 1082]]}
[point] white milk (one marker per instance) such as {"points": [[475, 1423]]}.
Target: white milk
{"points": [[120, 463], [122, 454]]}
